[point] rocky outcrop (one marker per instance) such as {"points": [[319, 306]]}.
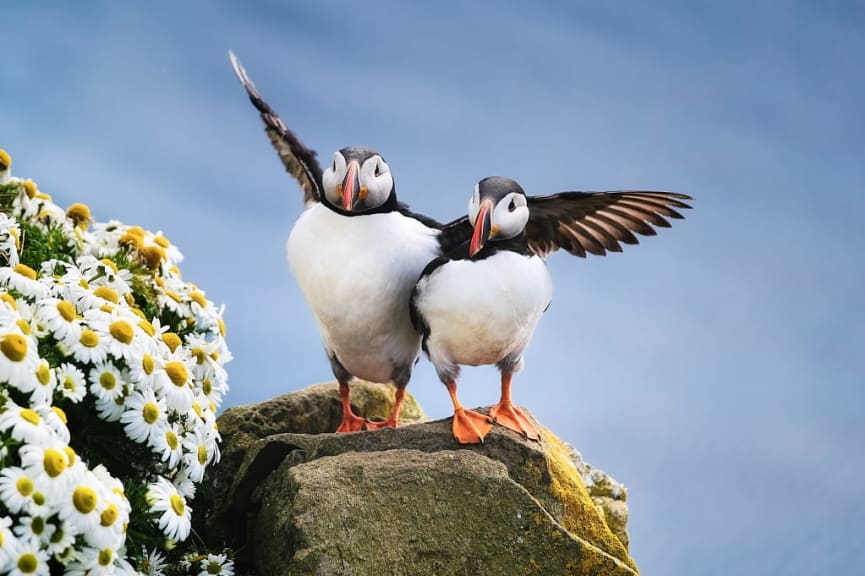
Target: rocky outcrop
{"points": [[407, 500]]}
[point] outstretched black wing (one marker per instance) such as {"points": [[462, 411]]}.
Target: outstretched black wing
{"points": [[597, 222], [300, 161]]}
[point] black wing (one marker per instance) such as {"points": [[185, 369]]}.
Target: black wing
{"points": [[454, 237], [300, 161], [596, 222]]}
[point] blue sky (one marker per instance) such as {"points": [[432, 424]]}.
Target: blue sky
{"points": [[715, 369]]}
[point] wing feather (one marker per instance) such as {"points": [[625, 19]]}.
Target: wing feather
{"points": [[598, 222], [299, 161]]}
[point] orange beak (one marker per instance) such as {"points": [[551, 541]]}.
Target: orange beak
{"points": [[483, 225]]}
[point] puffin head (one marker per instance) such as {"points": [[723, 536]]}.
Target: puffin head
{"points": [[497, 211], [357, 181]]}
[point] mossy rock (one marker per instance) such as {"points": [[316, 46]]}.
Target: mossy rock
{"points": [[312, 410], [261, 507]]}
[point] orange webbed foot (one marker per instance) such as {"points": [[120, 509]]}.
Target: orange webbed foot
{"points": [[512, 417], [351, 423], [470, 427], [373, 425]]}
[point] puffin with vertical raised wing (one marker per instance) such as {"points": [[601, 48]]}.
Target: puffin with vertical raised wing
{"points": [[356, 253], [481, 305]]}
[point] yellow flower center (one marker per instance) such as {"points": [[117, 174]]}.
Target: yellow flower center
{"points": [[214, 567], [197, 409], [108, 308], [172, 339], [80, 214], [162, 241], [14, 347], [39, 498], [198, 298], [110, 264], [84, 499], [28, 563], [37, 525], [136, 231], [106, 293], [67, 310], [150, 412], [147, 327], [176, 373], [122, 331], [5, 160], [70, 454], [14, 234], [177, 504], [89, 338], [60, 414], [171, 440], [25, 270], [148, 364], [159, 282], [207, 387], [109, 515], [24, 326], [43, 374], [24, 486], [54, 462], [84, 284], [30, 416], [131, 241], [106, 556], [200, 356], [107, 380], [221, 327], [174, 296], [153, 256], [202, 455], [69, 382], [6, 297], [30, 188]]}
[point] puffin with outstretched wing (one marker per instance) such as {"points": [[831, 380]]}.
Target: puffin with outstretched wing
{"points": [[356, 253], [481, 305]]}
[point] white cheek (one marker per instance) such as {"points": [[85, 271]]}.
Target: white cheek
{"points": [[330, 181], [509, 223]]}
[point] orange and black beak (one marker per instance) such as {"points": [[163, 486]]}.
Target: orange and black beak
{"points": [[483, 226], [351, 186]]}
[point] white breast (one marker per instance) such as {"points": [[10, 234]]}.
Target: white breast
{"points": [[481, 312], [357, 274]]}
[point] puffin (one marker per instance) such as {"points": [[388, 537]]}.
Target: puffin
{"points": [[356, 253], [480, 305]]}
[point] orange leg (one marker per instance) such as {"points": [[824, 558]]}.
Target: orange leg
{"points": [[509, 416], [394, 415], [351, 422], [469, 427]]}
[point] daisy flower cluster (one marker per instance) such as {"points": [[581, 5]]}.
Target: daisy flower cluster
{"points": [[111, 374]]}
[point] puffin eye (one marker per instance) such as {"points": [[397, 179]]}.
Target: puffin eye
{"points": [[512, 206], [377, 172]]}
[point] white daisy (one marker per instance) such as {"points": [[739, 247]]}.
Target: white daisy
{"points": [[80, 504], [110, 410], [93, 562], [199, 450], [175, 520], [22, 278], [216, 565], [25, 424], [153, 564], [62, 539], [49, 466], [89, 348], [147, 371], [179, 392], [145, 416], [107, 382], [19, 359], [61, 319], [35, 529], [46, 381], [110, 531], [29, 560], [70, 382], [168, 445], [184, 484], [16, 489]]}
